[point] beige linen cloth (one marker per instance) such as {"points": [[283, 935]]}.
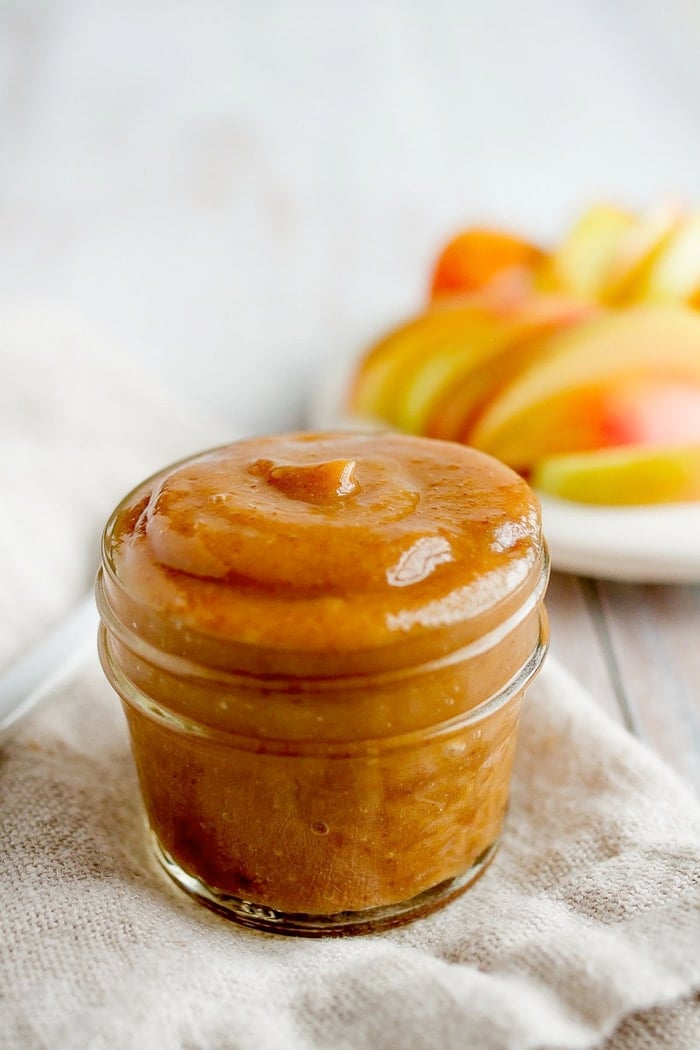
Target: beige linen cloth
{"points": [[584, 933]]}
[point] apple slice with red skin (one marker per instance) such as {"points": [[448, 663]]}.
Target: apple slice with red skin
{"points": [[473, 258], [627, 411], [621, 378]]}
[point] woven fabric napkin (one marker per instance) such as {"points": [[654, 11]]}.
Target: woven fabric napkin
{"points": [[584, 933]]}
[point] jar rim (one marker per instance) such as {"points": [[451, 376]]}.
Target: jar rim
{"points": [[399, 644], [187, 667], [305, 747]]}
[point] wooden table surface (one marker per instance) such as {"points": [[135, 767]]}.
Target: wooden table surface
{"points": [[637, 650]]}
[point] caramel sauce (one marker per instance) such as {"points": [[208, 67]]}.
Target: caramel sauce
{"points": [[327, 544], [283, 620]]}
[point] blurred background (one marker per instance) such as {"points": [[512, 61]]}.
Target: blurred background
{"points": [[239, 191]]}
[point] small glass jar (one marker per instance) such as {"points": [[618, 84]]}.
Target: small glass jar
{"points": [[319, 796]]}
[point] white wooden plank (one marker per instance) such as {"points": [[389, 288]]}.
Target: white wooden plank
{"points": [[577, 641], [655, 635]]}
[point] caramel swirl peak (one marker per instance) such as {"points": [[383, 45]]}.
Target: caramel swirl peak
{"points": [[311, 482]]}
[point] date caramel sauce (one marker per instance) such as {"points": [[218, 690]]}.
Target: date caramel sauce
{"points": [[322, 643]]}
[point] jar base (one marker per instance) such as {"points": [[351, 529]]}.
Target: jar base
{"points": [[342, 924]]}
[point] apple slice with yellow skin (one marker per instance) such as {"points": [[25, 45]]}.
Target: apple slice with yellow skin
{"points": [[622, 476], [581, 263], [447, 410], [421, 373], [675, 273], [428, 379], [601, 382], [638, 250], [386, 367]]}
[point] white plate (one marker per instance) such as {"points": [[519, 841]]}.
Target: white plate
{"points": [[650, 544], [654, 544]]}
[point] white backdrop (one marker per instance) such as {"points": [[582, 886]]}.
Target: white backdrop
{"points": [[240, 190]]}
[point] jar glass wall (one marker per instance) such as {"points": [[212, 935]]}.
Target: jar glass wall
{"points": [[321, 830], [322, 663]]}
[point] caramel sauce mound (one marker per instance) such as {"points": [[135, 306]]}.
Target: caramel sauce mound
{"points": [[288, 621], [333, 543]]}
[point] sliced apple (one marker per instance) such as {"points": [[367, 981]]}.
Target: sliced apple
{"points": [[448, 410], [630, 475], [581, 263], [472, 259], [638, 250], [432, 378], [675, 274], [423, 382], [416, 367], [600, 383], [384, 368]]}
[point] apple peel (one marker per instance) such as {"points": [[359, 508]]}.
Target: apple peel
{"points": [[635, 475]]}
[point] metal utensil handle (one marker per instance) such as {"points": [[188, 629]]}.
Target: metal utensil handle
{"points": [[46, 665]]}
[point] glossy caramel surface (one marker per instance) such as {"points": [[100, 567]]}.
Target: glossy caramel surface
{"points": [[335, 545]]}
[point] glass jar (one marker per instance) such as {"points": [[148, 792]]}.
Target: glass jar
{"points": [[332, 793]]}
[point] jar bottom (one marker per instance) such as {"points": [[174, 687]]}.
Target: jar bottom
{"points": [[342, 924]]}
